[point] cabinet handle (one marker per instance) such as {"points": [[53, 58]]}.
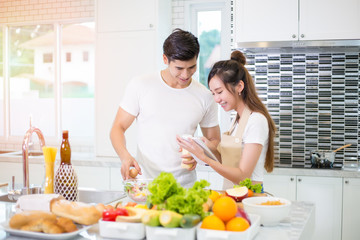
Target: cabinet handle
{"points": [[346, 181], [299, 180], [292, 179], [302, 35], [293, 36]]}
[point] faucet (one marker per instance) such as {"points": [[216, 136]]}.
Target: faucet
{"points": [[25, 154]]}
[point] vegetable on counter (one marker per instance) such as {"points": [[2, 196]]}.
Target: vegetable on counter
{"points": [[168, 194], [255, 188], [190, 220], [170, 219], [111, 214]]}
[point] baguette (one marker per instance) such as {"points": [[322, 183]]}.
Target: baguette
{"points": [[79, 212], [21, 219]]}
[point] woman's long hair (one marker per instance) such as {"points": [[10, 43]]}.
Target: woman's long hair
{"points": [[231, 72]]}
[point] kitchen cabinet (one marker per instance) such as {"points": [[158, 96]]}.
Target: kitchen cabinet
{"points": [[287, 188], [124, 15], [289, 20], [93, 177], [351, 210], [125, 47], [325, 192], [9, 169]]}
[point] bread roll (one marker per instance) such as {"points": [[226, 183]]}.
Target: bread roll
{"points": [[66, 224], [21, 219], [79, 212]]}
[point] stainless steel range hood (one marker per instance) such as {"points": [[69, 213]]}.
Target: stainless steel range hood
{"points": [[301, 46]]}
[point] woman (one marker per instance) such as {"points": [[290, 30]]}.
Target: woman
{"points": [[247, 149]]}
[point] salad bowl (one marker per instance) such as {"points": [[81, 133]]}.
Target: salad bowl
{"points": [[137, 189]]}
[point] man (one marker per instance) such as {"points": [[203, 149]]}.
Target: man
{"points": [[166, 104]]}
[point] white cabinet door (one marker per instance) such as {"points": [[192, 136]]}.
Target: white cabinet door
{"points": [[326, 193], [264, 20], [9, 169], [329, 19], [93, 177], [351, 210], [120, 57], [280, 186], [284, 20], [116, 180], [125, 15]]}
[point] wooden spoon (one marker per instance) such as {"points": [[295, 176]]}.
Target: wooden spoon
{"points": [[345, 146]]}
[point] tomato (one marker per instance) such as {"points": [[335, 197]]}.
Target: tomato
{"points": [[121, 212], [109, 215]]}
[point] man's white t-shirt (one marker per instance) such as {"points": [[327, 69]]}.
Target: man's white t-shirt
{"points": [[257, 131], [162, 112]]}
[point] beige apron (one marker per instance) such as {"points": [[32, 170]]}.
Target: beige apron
{"points": [[230, 147]]}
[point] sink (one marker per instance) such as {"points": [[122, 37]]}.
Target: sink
{"points": [[4, 198], [99, 196], [88, 196]]}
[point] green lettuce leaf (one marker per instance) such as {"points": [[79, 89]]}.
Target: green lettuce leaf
{"points": [[168, 194], [247, 183]]}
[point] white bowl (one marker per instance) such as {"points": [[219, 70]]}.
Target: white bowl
{"points": [[270, 215]]}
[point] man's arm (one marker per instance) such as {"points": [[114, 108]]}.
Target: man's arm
{"points": [[122, 122]]}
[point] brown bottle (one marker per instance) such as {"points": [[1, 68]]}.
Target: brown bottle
{"points": [[66, 182]]}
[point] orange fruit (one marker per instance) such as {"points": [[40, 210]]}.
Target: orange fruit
{"points": [[237, 224], [225, 208], [213, 222], [214, 195], [250, 193]]}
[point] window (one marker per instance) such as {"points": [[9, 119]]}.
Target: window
{"points": [[77, 81], [31, 81], [210, 22], [68, 57], [42, 87], [47, 58]]}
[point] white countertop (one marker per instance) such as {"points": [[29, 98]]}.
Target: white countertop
{"points": [[299, 225], [90, 160]]}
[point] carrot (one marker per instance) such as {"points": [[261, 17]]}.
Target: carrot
{"points": [[250, 193]]}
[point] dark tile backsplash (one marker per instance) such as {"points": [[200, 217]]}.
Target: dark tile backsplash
{"points": [[314, 99]]}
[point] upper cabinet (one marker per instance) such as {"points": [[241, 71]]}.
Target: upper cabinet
{"points": [[289, 20], [125, 15]]}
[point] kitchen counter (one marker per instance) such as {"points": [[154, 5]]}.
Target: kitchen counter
{"points": [[90, 160], [299, 224]]}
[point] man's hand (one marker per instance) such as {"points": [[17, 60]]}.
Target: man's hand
{"points": [[125, 167]]}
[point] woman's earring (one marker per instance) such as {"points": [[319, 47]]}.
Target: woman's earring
{"points": [[239, 93]]}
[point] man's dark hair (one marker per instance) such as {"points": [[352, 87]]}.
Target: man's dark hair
{"points": [[181, 45]]}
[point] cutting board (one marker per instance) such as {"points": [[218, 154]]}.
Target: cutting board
{"points": [[3, 184]]}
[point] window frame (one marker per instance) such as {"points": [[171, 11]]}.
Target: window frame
{"points": [[190, 16], [6, 138]]}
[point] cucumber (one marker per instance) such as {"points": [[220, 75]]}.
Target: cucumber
{"points": [[170, 219], [189, 220], [151, 218]]}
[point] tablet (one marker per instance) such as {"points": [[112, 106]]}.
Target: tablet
{"points": [[207, 151]]}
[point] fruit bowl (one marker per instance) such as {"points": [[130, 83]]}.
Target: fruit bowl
{"points": [[137, 189], [270, 215]]}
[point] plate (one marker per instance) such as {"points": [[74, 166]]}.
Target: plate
{"points": [[5, 226]]}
